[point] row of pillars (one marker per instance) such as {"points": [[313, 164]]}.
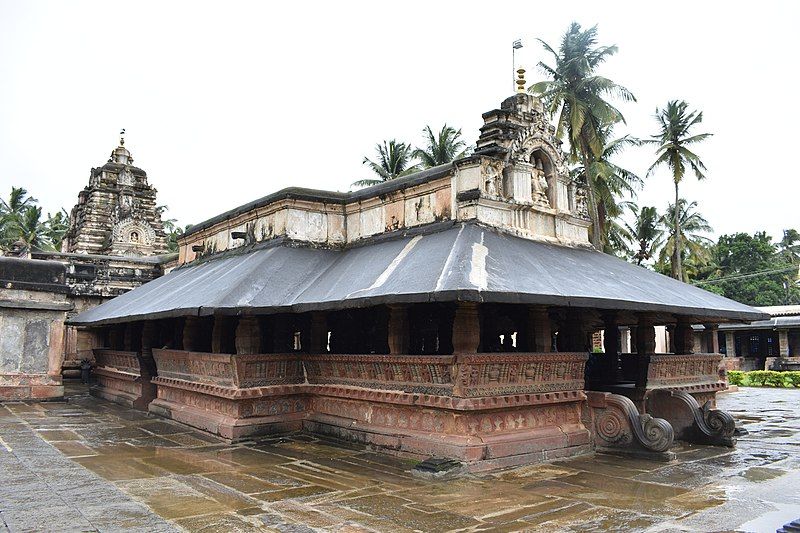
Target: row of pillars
{"points": [[246, 334]]}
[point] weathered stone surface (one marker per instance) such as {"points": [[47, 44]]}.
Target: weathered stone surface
{"points": [[108, 477]]}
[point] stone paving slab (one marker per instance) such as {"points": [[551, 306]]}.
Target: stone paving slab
{"points": [[90, 465]]}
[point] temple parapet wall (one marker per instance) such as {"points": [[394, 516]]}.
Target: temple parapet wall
{"points": [[516, 180]]}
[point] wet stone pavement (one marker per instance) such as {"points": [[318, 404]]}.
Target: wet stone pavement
{"points": [[90, 465]]}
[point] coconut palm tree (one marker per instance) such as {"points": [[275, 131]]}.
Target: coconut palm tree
{"points": [[395, 159], [11, 214], [56, 226], [578, 96], [647, 232], [17, 202], [28, 229], [674, 139], [441, 148], [693, 246], [611, 182]]}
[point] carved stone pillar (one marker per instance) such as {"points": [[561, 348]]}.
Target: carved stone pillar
{"points": [[730, 344], [466, 328], [783, 342], [127, 337], [711, 338], [318, 339], [684, 338], [223, 334], [540, 332], [282, 335], [151, 334], [191, 333], [611, 342], [248, 335], [573, 336], [645, 347], [398, 329]]}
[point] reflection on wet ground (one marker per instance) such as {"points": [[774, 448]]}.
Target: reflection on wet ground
{"points": [[87, 465]]}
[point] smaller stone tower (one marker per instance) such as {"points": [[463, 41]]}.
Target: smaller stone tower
{"points": [[116, 213]]}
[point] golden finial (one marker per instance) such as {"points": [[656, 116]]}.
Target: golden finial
{"points": [[520, 80], [122, 137]]}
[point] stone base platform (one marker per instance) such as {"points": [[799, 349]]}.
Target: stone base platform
{"points": [[119, 377], [499, 411], [16, 387]]}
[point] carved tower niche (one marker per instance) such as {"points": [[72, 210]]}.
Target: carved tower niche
{"points": [[116, 213]]}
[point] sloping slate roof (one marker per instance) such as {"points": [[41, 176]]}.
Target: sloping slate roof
{"points": [[778, 322], [466, 261]]}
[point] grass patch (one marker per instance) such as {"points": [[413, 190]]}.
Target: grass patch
{"points": [[764, 378]]}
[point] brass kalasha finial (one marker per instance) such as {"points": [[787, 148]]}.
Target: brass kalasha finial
{"points": [[122, 137], [520, 80]]}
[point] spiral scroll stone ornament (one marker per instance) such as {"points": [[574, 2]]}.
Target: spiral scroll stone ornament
{"points": [[692, 423], [619, 427], [612, 427]]}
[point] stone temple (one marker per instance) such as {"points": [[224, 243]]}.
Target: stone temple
{"points": [[115, 243], [448, 313], [116, 213]]}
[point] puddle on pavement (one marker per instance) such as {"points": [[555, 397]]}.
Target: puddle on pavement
{"points": [[758, 474]]}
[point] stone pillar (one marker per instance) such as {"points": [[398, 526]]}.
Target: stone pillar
{"points": [[466, 328], [151, 335], [398, 336], [611, 343], [248, 335], [127, 337], [191, 333], [684, 338], [645, 347], [573, 335], [730, 344], [318, 338], [783, 342], [223, 334], [282, 335], [711, 338], [540, 332]]}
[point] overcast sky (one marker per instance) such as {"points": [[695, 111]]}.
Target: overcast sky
{"points": [[226, 102]]}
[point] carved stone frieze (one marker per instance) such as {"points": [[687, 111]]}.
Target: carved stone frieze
{"points": [[683, 370]]}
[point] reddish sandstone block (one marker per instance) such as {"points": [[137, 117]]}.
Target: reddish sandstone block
{"points": [[14, 393], [47, 392]]}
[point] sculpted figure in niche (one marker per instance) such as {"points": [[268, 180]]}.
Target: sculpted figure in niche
{"points": [[539, 184], [493, 182]]}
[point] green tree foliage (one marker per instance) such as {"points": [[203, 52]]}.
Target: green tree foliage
{"points": [[789, 247], [673, 140], [394, 159], [646, 233], [21, 224], [171, 228], [440, 148], [578, 96], [694, 247], [752, 270], [611, 183], [56, 227]]}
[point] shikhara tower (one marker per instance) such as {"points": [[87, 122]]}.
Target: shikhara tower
{"points": [[116, 213]]}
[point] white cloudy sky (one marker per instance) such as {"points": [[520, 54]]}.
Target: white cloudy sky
{"points": [[225, 102]]}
